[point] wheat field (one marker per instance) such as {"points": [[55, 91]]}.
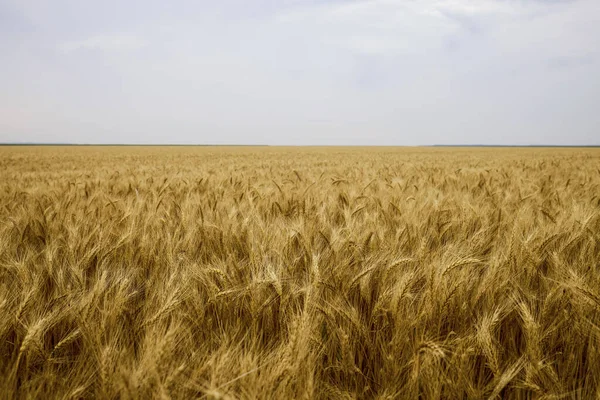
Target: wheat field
{"points": [[277, 273]]}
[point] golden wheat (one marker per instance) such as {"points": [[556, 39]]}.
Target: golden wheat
{"points": [[190, 272]]}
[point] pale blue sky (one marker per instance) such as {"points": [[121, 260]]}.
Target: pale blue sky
{"points": [[300, 71]]}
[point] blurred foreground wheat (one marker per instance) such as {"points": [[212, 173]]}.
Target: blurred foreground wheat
{"points": [[299, 273]]}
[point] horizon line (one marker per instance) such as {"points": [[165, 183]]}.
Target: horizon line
{"points": [[284, 145]]}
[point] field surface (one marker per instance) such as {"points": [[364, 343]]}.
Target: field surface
{"points": [[261, 272]]}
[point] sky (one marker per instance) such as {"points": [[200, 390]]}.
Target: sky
{"points": [[300, 72]]}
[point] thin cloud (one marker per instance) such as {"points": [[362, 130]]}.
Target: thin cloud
{"points": [[561, 62], [117, 42]]}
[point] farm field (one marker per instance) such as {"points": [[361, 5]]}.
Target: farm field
{"points": [[273, 272]]}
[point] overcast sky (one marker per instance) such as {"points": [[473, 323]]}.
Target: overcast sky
{"points": [[380, 72]]}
